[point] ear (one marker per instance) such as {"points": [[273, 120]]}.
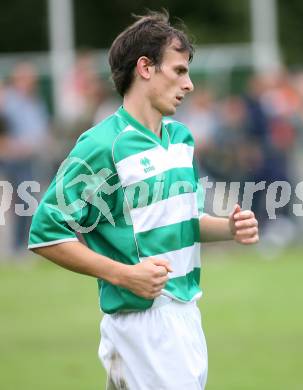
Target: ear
{"points": [[144, 67]]}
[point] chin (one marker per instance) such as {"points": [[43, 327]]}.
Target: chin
{"points": [[169, 111]]}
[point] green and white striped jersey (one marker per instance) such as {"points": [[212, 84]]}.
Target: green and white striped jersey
{"points": [[131, 195]]}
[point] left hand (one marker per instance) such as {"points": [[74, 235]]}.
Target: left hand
{"points": [[244, 226]]}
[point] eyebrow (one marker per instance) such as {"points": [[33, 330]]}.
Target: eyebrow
{"points": [[183, 68]]}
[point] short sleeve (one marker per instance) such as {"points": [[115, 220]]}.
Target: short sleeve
{"points": [[64, 209]]}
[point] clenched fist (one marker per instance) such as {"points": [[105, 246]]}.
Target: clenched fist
{"points": [[146, 279], [244, 226]]}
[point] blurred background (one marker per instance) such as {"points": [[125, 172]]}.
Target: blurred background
{"points": [[246, 115]]}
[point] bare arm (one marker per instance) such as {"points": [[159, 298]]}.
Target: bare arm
{"points": [[241, 226], [214, 229], [145, 279]]}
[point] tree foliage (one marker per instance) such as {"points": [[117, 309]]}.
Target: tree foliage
{"points": [[24, 25], [210, 21]]}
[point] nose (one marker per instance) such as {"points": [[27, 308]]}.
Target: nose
{"points": [[188, 85]]}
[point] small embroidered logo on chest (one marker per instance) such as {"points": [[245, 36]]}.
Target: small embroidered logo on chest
{"points": [[147, 165]]}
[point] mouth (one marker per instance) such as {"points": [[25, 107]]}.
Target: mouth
{"points": [[179, 98]]}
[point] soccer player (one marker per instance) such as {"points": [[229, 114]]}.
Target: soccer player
{"points": [[130, 187]]}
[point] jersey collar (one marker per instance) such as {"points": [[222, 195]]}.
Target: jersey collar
{"points": [[163, 141]]}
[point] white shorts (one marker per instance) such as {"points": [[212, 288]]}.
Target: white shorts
{"points": [[162, 348]]}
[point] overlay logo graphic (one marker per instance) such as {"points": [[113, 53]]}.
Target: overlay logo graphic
{"points": [[92, 185]]}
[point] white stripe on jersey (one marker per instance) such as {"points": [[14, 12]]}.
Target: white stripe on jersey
{"points": [[175, 209], [182, 261], [157, 160]]}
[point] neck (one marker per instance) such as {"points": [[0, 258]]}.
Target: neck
{"points": [[143, 112]]}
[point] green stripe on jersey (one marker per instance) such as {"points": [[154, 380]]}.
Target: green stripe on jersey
{"points": [[185, 287], [168, 238]]}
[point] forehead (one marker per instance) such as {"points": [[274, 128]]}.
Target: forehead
{"points": [[172, 56]]}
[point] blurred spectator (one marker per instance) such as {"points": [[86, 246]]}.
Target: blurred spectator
{"points": [[82, 91], [280, 101], [258, 136], [77, 88], [107, 105], [298, 123], [230, 162], [3, 124], [25, 140], [81, 94], [202, 120], [3, 135], [1, 93]]}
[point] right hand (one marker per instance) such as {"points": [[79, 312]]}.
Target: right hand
{"points": [[148, 278]]}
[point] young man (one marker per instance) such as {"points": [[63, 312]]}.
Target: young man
{"points": [[130, 188]]}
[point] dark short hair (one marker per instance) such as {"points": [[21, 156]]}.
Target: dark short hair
{"points": [[148, 36]]}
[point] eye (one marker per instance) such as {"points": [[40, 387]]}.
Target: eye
{"points": [[180, 71]]}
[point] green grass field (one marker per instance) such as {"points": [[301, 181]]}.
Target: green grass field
{"points": [[252, 315]]}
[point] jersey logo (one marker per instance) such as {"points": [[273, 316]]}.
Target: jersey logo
{"points": [[146, 163]]}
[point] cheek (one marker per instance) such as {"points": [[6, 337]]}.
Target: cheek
{"points": [[162, 90], [159, 92], [164, 85], [166, 91]]}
